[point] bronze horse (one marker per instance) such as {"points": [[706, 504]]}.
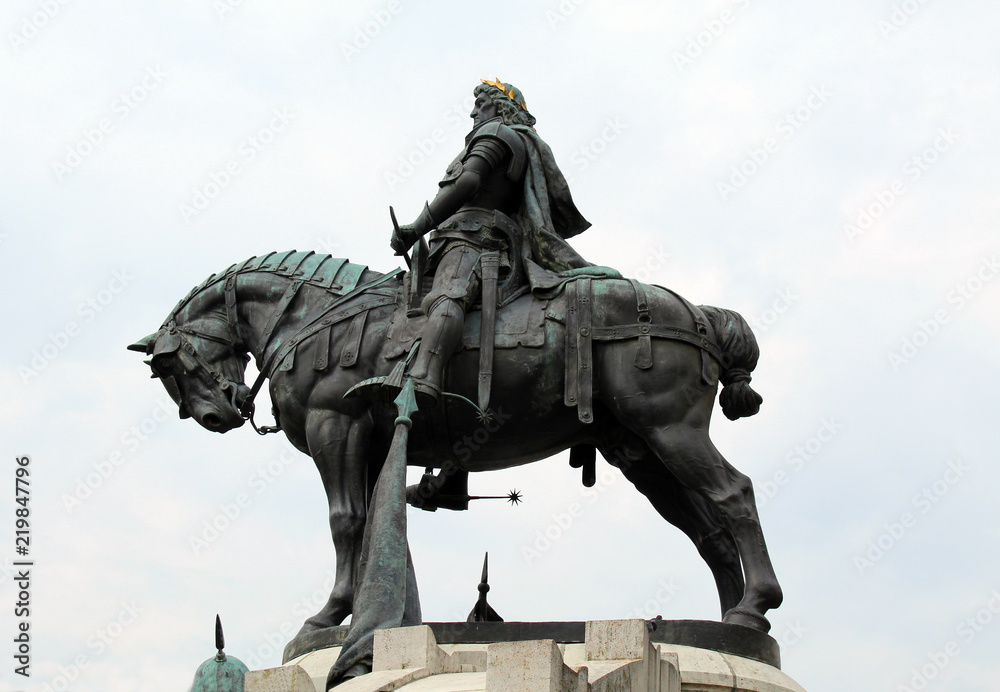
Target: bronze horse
{"points": [[317, 326]]}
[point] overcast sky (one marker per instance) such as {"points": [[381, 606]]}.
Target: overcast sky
{"points": [[827, 169]]}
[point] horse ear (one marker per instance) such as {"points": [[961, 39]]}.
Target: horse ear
{"points": [[143, 345]]}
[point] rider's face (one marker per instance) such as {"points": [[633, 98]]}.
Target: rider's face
{"points": [[483, 110]]}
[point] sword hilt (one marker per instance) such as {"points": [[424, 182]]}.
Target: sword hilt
{"points": [[395, 227]]}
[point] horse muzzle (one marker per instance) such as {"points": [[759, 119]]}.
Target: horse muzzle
{"points": [[219, 420]]}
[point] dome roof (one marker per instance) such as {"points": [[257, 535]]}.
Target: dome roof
{"points": [[222, 673], [220, 676]]}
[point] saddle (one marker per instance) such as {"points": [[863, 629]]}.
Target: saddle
{"points": [[520, 322]]}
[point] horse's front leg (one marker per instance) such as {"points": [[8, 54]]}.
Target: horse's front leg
{"points": [[339, 445]]}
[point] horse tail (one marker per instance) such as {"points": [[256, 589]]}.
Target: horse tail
{"points": [[739, 357]]}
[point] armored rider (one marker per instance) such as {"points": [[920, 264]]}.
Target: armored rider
{"points": [[502, 193]]}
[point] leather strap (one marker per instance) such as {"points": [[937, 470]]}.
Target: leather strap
{"points": [[232, 319], [657, 331], [585, 409], [288, 362], [279, 354], [322, 359], [700, 323], [352, 345], [644, 347], [279, 312], [572, 383], [580, 334], [490, 267], [324, 319]]}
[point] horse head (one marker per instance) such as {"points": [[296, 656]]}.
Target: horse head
{"points": [[202, 373]]}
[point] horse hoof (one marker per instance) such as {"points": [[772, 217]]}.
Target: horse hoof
{"points": [[747, 618], [315, 624], [355, 671], [306, 628]]}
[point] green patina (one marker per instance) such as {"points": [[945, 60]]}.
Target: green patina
{"points": [[221, 673]]}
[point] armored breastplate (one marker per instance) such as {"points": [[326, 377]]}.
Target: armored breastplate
{"points": [[502, 147], [497, 191]]}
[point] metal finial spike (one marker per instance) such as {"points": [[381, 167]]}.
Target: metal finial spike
{"points": [[482, 611], [220, 639]]}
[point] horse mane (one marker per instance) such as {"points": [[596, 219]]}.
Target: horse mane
{"points": [[337, 275]]}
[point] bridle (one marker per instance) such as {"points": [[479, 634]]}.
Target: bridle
{"points": [[179, 340], [172, 339]]}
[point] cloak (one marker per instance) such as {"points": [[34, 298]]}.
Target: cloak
{"points": [[548, 217]]}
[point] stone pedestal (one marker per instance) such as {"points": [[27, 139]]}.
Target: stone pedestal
{"points": [[613, 656]]}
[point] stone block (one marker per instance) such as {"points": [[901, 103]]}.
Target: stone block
{"points": [[468, 661], [381, 681], [670, 672], [617, 656], [317, 664], [710, 670], [610, 640], [407, 647], [529, 666], [283, 679]]}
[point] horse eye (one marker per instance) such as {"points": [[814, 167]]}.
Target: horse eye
{"points": [[165, 366]]}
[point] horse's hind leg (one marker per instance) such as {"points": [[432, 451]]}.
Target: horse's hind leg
{"points": [[688, 511], [690, 456], [339, 446]]}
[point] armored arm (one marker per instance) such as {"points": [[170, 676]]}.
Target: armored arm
{"points": [[454, 194], [449, 199], [404, 237], [492, 146]]}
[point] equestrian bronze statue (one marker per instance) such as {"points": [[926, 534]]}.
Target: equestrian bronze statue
{"points": [[499, 325]]}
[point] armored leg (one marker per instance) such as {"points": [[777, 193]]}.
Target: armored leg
{"points": [[440, 338], [455, 287]]}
